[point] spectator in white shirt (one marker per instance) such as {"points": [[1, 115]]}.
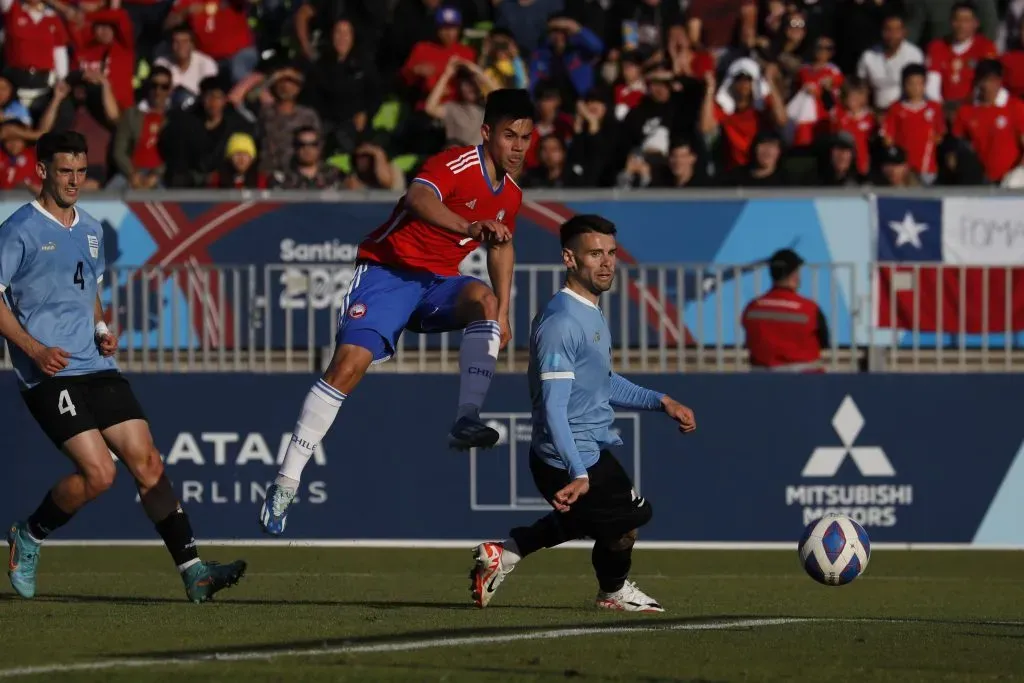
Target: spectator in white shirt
{"points": [[882, 66], [188, 66]]}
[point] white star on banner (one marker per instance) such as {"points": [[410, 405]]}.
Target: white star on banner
{"points": [[908, 231]]}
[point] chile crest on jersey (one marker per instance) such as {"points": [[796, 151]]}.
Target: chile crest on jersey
{"points": [[460, 179]]}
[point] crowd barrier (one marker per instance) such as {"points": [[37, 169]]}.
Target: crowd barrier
{"points": [[770, 453]]}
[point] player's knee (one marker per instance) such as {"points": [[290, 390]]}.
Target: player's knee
{"points": [[348, 367], [99, 477], [482, 304], [149, 469], [622, 543]]}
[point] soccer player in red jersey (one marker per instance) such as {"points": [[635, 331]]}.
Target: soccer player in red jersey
{"points": [[993, 123], [407, 277], [916, 125]]}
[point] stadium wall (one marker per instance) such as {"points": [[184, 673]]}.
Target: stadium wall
{"points": [[918, 459]]}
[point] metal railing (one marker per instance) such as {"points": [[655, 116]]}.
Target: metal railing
{"points": [[664, 318]]}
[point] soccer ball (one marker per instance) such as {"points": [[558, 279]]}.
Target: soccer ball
{"points": [[834, 550]]}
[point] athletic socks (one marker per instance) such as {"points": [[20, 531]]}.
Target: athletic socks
{"points": [[611, 566], [318, 414], [176, 531], [478, 356], [47, 518]]}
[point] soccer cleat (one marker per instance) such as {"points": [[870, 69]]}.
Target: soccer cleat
{"points": [[274, 512], [469, 432], [204, 579], [21, 568], [488, 572], [629, 598]]}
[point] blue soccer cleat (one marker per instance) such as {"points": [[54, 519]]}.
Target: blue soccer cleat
{"points": [[204, 579], [470, 432], [274, 512], [24, 557]]}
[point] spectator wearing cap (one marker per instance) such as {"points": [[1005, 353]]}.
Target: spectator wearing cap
{"points": [[526, 20], [279, 120], [194, 143], [136, 149], [952, 60], [631, 86], [855, 118], [916, 125], [238, 169], [308, 170], [894, 171], [188, 66], [568, 59], [35, 44], [429, 58], [742, 107], [993, 124], [221, 29], [18, 160], [105, 42], [882, 65], [840, 165], [785, 331], [764, 168]]}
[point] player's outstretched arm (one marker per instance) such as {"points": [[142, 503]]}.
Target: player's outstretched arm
{"points": [[625, 394], [423, 202]]}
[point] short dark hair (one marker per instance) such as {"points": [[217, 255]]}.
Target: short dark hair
{"points": [[961, 5], [160, 71], [184, 28], [582, 224], [64, 142], [507, 104], [303, 130]]}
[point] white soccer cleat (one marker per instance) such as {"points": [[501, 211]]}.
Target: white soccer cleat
{"points": [[488, 572], [629, 598]]}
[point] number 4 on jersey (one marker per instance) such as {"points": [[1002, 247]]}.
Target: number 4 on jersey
{"points": [[79, 280], [64, 404]]}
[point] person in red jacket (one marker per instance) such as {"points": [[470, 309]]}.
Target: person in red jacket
{"points": [[35, 43], [428, 58], [993, 123], [786, 332], [952, 60], [105, 42]]}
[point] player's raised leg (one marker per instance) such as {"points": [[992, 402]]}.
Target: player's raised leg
{"points": [[132, 442], [94, 474], [477, 310], [378, 305]]}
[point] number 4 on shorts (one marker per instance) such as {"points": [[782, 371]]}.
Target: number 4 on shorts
{"points": [[64, 404]]}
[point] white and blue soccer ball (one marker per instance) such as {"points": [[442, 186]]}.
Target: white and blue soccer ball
{"points": [[834, 550]]}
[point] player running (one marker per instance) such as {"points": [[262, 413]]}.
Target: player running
{"points": [[407, 277], [573, 390], [51, 268]]}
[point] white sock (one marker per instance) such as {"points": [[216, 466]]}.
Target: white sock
{"points": [[509, 553], [478, 356], [183, 567], [317, 416]]}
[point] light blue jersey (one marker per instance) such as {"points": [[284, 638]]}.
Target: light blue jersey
{"points": [[572, 385], [50, 276]]}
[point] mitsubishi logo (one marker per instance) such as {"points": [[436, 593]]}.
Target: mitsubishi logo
{"points": [[870, 460]]}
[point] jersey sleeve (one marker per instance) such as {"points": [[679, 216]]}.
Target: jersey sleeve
{"points": [[557, 342], [101, 258], [12, 254], [437, 175]]}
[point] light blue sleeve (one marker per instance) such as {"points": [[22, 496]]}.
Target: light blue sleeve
{"points": [[101, 259], [557, 342], [625, 394], [12, 254]]}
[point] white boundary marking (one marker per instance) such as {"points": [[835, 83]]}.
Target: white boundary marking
{"points": [[437, 544], [397, 646]]}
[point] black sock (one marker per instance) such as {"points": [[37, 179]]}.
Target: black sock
{"points": [[547, 532], [47, 518], [611, 566], [176, 531]]}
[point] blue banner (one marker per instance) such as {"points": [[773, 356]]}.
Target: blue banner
{"points": [[770, 453]]}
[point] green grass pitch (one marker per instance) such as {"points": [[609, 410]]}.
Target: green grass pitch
{"points": [[340, 614]]}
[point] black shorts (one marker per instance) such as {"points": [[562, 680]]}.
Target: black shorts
{"points": [[610, 509], [67, 406]]}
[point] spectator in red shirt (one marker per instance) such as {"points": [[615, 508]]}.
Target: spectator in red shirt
{"points": [[221, 28], [856, 118], [35, 44], [916, 125], [136, 143], [239, 169], [105, 43], [428, 59], [820, 83], [1013, 67], [687, 59], [952, 60], [18, 161], [746, 104], [993, 124]]}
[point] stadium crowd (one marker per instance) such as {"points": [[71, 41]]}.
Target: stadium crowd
{"points": [[629, 93]]}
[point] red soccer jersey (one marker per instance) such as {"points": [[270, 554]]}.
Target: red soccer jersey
{"points": [[459, 177], [221, 26], [17, 172], [862, 126], [957, 66], [117, 60], [916, 128], [739, 129], [995, 133], [30, 44]]}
